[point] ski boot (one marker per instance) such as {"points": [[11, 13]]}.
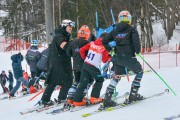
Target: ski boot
{"points": [[94, 100], [45, 103], [134, 96], [58, 101], [107, 102]]}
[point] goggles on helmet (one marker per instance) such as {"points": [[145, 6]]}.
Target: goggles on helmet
{"points": [[72, 24], [125, 18]]}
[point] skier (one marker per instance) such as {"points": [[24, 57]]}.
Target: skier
{"points": [[10, 80], [96, 54], [4, 78], [73, 51], [125, 39], [41, 71], [32, 57], [18, 73], [59, 70]]}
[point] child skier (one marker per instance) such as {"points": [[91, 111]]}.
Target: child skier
{"points": [[73, 51], [96, 54], [4, 78], [127, 43], [32, 57], [41, 71]]}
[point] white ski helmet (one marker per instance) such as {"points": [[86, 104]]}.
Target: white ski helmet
{"points": [[125, 16], [67, 22]]}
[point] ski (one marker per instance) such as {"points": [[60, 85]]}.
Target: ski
{"points": [[39, 109], [172, 117], [7, 97], [73, 109], [122, 105], [48, 107]]}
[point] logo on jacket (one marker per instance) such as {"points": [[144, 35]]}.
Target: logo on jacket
{"points": [[122, 35]]}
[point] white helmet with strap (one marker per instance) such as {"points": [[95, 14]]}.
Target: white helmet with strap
{"points": [[67, 22]]}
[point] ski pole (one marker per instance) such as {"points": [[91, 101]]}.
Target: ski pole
{"points": [[36, 95], [157, 75], [42, 92]]}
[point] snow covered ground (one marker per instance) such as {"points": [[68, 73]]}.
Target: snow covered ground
{"points": [[152, 109]]}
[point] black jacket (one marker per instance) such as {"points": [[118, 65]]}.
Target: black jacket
{"points": [[59, 63], [42, 63], [127, 40], [73, 51]]}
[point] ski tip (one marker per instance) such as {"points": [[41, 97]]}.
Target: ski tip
{"points": [[85, 115]]}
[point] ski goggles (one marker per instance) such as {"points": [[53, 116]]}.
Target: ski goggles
{"points": [[125, 18], [72, 24]]}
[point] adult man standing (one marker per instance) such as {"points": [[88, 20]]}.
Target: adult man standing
{"points": [[59, 70]]}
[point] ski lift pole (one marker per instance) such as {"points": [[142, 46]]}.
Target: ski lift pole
{"points": [[157, 75]]}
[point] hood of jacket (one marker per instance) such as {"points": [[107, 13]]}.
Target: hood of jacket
{"points": [[16, 57]]}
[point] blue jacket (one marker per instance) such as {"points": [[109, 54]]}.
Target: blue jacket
{"points": [[16, 65]]}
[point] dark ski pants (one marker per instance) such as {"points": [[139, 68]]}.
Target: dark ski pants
{"points": [[10, 86], [130, 63], [49, 90], [121, 64], [73, 88], [88, 72], [77, 75]]}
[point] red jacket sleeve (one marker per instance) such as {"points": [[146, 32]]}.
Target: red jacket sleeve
{"points": [[83, 50], [105, 56]]}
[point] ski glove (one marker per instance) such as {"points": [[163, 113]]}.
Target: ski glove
{"points": [[138, 54], [112, 44]]}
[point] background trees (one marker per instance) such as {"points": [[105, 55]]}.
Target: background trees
{"points": [[26, 18]]}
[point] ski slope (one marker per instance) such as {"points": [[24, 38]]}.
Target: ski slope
{"points": [[152, 109]]}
